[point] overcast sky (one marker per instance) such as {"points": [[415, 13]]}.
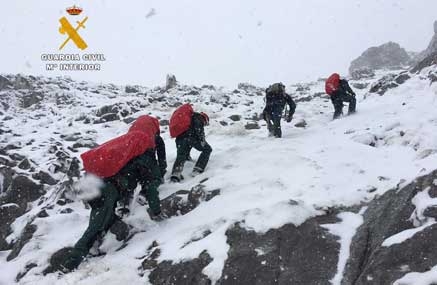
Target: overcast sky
{"points": [[219, 42]]}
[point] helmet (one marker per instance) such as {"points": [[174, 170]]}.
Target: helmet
{"points": [[205, 118]]}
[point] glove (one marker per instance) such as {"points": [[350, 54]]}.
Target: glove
{"points": [[289, 118]]}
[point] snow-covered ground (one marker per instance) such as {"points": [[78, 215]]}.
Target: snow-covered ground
{"points": [[264, 182]]}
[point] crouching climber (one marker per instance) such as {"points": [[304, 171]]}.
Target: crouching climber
{"points": [[121, 164], [276, 100], [187, 127], [340, 91]]}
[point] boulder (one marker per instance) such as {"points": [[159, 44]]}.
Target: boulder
{"points": [[4, 83], [370, 261], [235, 118], [131, 89], [25, 237], [31, 99], [252, 126], [184, 273], [170, 82], [307, 254], [184, 201], [362, 73], [44, 178]]}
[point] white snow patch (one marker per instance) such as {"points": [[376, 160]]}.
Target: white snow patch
{"points": [[419, 278], [404, 235], [346, 230]]}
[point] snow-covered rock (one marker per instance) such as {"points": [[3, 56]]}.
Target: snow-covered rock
{"points": [[387, 56]]}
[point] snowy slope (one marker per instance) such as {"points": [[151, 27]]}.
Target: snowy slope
{"points": [[264, 182]]}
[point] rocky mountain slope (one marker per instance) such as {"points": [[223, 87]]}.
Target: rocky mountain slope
{"points": [[350, 201]]}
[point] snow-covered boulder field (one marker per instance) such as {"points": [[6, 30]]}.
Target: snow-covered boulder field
{"points": [[350, 201]]}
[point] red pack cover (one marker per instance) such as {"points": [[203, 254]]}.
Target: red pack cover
{"points": [[180, 121], [145, 123], [332, 83], [109, 158]]}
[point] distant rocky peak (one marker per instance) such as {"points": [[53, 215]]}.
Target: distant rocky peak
{"points": [[387, 56]]}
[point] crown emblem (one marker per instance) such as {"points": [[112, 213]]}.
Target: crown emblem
{"points": [[74, 11]]}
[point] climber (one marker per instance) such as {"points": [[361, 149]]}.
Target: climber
{"points": [[121, 164], [276, 99], [144, 122], [187, 127], [340, 91]]}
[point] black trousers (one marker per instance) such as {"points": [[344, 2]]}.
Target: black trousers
{"points": [[337, 100]]}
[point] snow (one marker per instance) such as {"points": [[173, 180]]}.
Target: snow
{"points": [[419, 278], [265, 182], [404, 235], [346, 230], [2, 178]]}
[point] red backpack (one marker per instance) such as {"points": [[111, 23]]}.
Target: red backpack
{"points": [[332, 83], [109, 158], [180, 121], [145, 123]]}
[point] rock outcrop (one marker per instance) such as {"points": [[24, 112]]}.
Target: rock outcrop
{"points": [[386, 56]]}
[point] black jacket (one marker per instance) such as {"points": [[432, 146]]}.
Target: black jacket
{"points": [[196, 131], [275, 103], [345, 88]]}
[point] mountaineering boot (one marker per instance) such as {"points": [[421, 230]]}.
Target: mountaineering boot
{"points": [[177, 177], [196, 171], [157, 217]]}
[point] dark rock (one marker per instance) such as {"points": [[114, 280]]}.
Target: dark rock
{"points": [[223, 123], [66, 211], [164, 122], [17, 157], [402, 78], [301, 124], [193, 92], [184, 201], [430, 60], [131, 89], [246, 87], [22, 191], [360, 85], [129, 120], [384, 84], [108, 118], [31, 99], [235, 118], [85, 144], [8, 214], [7, 174], [4, 83], [42, 214], [109, 109], [25, 237], [21, 82], [120, 229], [362, 73], [26, 270], [252, 126], [431, 212], [7, 162], [386, 56], [209, 87], [307, 254], [72, 137], [184, 273], [372, 263], [44, 178]]}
